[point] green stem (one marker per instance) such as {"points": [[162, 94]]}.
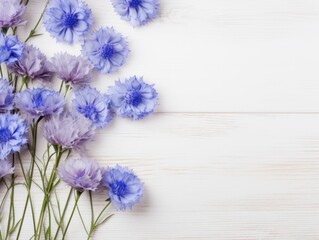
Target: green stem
{"points": [[33, 31], [11, 209], [95, 222], [77, 197], [28, 179], [48, 190], [1, 71], [61, 86], [63, 214]]}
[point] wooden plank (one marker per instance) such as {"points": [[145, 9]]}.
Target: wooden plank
{"points": [[210, 176], [220, 55], [217, 176]]}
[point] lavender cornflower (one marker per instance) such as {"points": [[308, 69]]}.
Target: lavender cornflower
{"points": [[74, 70], [124, 188], [10, 48], [93, 105], [67, 20], [137, 12], [13, 130], [11, 13], [133, 98], [106, 49], [69, 130], [80, 174], [40, 102], [6, 95], [33, 65], [6, 168]]}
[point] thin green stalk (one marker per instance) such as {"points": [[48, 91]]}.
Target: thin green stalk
{"points": [[11, 209], [77, 197], [28, 179], [61, 86], [63, 214], [95, 223], [33, 31], [48, 190]]}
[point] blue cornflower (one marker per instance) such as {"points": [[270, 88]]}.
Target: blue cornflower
{"points": [[67, 20], [40, 102], [133, 98], [137, 12], [10, 48], [6, 95], [81, 174], [93, 105], [106, 49], [124, 188], [13, 131]]}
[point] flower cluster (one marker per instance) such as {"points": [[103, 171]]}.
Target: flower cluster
{"points": [[34, 103]]}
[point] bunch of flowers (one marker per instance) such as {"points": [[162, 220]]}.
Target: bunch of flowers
{"points": [[29, 112]]}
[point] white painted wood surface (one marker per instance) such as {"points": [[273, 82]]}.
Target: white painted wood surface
{"points": [[211, 169]]}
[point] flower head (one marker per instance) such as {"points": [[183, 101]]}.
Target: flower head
{"points": [[74, 70], [69, 130], [106, 49], [6, 95], [93, 105], [40, 102], [81, 174], [11, 12], [67, 20], [10, 48], [6, 168], [137, 12], [133, 98], [124, 188], [13, 131], [33, 65]]}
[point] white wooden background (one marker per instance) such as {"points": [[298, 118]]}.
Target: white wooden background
{"points": [[233, 150]]}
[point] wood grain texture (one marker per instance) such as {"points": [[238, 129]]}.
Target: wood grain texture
{"points": [[212, 175], [218, 176], [218, 55]]}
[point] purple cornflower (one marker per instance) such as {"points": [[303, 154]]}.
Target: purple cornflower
{"points": [[133, 98], [6, 95], [10, 48], [93, 105], [11, 12], [106, 49], [69, 130], [137, 12], [67, 20], [124, 188], [80, 174], [6, 168], [74, 70], [40, 102], [33, 65], [13, 131]]}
